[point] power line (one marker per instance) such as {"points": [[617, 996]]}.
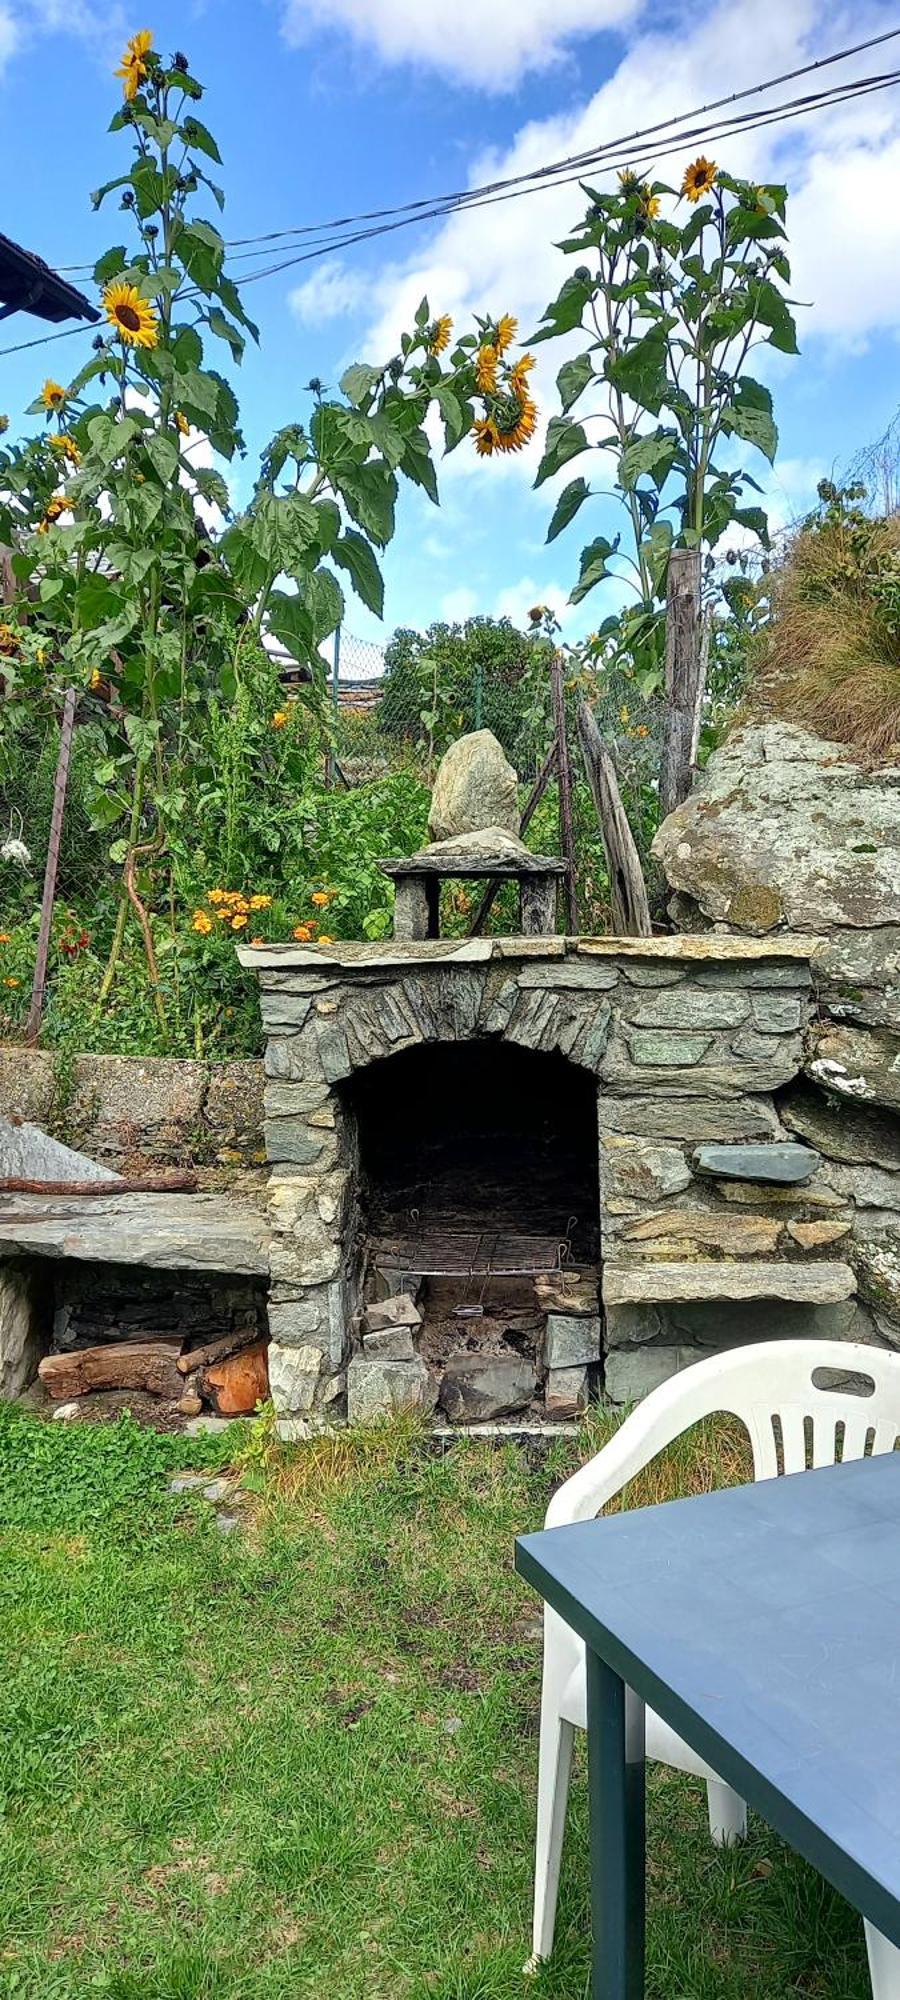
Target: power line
{"points": [[561, 173], [470, 196]]}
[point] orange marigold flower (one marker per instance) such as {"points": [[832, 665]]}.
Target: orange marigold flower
{"points": [[216, 896], [260, 902], [324, 939], [5, 937], [257, 940], [302, 933], [279, 718], [12, 982], [201, 922], [321, 897]]}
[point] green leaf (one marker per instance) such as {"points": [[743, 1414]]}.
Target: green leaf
{"points": [[51, 587], [353, 553], [456, 412], [573, 379], [223, 329], [358, 381], [417, 465], [564, 441], [594, 567], [162, 452], [370, 494], [571, 498], [640, 372], [199, 392], [756, 520], [288, 621], [201, 249], [652, 455], [141, 735], [749, 416], [772, 311], [324, 601], [200, 139], [565, 312], [110, 264]]}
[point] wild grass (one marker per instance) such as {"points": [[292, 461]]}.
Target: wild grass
{"points": [[299, 1761], [832, 659]]}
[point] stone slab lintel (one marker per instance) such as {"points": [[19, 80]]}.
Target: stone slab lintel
{"points": [[810, 1283]]}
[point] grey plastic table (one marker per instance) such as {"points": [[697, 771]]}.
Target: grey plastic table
{"points": [[763, 1623]]}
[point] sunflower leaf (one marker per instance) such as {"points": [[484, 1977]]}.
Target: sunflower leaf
{"points": [[353, 553], [573, 379], [564, 441], [571, 498]]}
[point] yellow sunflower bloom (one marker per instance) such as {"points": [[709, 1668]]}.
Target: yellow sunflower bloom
{"points": [[507, 328], [134, 68], [629, 181], [485, 435], [9, 641], [439, 334], [181, 424], [486, 362], [514, 431], [650, 205], [519, 373], [66, 447], [700, 178], [53, 395], [202, 923], [134, 320]]}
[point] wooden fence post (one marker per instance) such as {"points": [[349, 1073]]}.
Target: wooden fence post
{"points": [[564, 775], [627, 889], [35, 1011], [683, 667]]}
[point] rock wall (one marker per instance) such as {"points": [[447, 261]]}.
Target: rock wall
{"points": [[132, 1112], [720, 1221], [782, 823]]}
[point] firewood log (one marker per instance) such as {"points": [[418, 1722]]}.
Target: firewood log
{"points": [[131, 1364]]}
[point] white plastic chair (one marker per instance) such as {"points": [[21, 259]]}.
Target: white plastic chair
{"points": [[792, 1422]]}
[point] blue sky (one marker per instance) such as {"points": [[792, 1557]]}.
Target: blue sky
{"points": [[325, 107]]}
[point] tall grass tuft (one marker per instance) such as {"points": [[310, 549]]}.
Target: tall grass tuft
{"points": [[832, 658]]}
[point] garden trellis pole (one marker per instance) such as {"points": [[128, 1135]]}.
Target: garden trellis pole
{"points": [[627, 889], [564, 774], [48, 898], [684, 662]]}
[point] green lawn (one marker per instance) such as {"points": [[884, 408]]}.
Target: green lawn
{"points": [[299, 1760]]}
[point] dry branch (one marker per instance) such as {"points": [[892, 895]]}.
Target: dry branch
{"points": [[627, 890]]}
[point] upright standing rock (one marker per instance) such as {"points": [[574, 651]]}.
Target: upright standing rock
{"points": [[476, 787]]}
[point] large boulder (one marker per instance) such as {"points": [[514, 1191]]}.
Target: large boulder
{"points": [[784, 829], [475, 787]]}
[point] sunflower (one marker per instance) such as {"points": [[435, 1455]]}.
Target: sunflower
{"points": [[700, 178], [486, 369], [56, 505], [519, 373], [9, 641], [629, 181], [66, 446], [439, 334], [650, 204], [134, 67], [515, 420], [485, 435], [53, 395], [181, 424], [507, 328], [135, 321]]}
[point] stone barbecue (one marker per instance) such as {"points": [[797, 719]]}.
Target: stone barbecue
{"points": [[507, 1174]]}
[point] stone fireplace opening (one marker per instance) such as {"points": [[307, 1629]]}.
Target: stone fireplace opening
{"points": [[478, 1204]]}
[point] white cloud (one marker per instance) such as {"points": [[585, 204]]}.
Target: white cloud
{"points": [[517, 599], [460, 604], [489, 47], [10, 37], [330, 293]]}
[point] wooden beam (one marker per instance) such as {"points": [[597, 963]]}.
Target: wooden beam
{"points": [[48, 898], [627, 889]]}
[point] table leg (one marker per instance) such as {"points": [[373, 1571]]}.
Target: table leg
{"points": [[537, 905], [615, 1720], [412, 908], [433, 900]]}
